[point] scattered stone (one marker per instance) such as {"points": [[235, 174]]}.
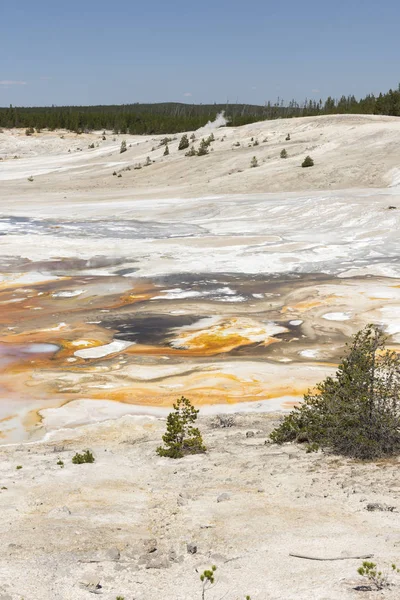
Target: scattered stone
{"points": [[106, 555], [223, 497], [150, 545], [155, 561], [60, 511], [91, 585], [376, 506], [191, 548]]}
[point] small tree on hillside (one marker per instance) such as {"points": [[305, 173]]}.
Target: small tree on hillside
{"points": [[254, 162], [181, 438], [166, 151], [123, 147], [184, 142], [191, 151], [307, 162], [284, 153], [356, 413], [203, 148]]}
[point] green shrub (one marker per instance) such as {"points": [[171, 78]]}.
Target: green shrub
{"points": [[181, 438], [85, 457], [376, 578], [191, 152], [123, 147], [30, 178], [165, 141], [18, 467], [355, 413], [91, 146], [287, 138], [254, 162], [184, 142], [166, 151], [284, 153], [203, 148], [60, 463], [29, 131], [307, 162], [148, 160], [207, 580]]}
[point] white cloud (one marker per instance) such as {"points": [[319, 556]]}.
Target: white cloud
{"points": [[315, 91], [11, 82], [187, 94]]}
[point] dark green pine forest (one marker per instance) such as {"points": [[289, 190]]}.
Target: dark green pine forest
{"points": [[173, 117]]}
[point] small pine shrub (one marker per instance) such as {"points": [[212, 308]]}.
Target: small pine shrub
{"points": [[207, 579], [29, 131], [356, 413], [18, 467], [287, 138], [255, 143], [85, 457], [284, 153], [184, 142], [123, 147], [91, 146], [181, 438], [307, 162], [30, 178], [191, 152], [203, 148], [165, 141], [375, 578], [114, 173], [166, 151], [254, 162], [60, 463], [148, 160], [193, 137]]}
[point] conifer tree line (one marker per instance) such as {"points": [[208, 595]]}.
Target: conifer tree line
{"points": [[172, 117]]}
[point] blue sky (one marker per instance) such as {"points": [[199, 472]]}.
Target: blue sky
{"points": [[98, 51]]}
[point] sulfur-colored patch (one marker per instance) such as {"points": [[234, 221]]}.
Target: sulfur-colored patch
{"points": [[226, 335]]}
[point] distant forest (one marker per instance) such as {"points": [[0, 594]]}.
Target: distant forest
{"points": [[173, 117]]}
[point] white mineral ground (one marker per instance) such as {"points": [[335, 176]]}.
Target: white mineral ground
{"points": [[235, 286]]}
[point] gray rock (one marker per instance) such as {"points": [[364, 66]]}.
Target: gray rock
{"points": [[376, 506], [60, 511], [156, 561], [150, 545], [191, 548], [223, 497], [103, 555]]}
